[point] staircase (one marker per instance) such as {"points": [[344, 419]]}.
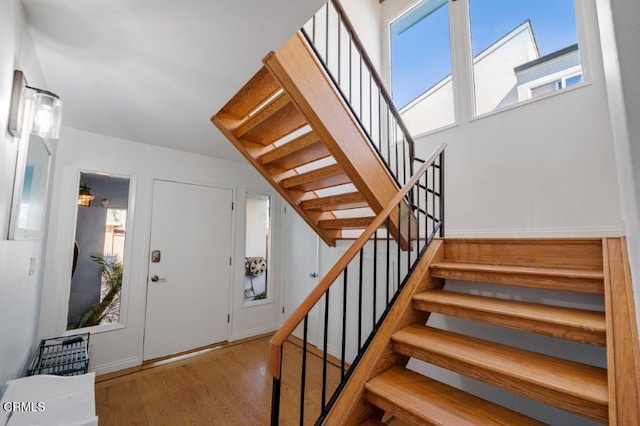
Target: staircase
{"points": [[570, 265], [348, 172], [290, 123]]}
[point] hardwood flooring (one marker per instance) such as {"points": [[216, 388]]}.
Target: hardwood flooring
{"points": [[229, 386]]}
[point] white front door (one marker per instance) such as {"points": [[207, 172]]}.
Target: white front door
{"points": [[188, 285]]}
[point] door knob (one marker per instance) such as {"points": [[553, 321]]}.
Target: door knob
{"points": [[313, 275], [156, 278]]}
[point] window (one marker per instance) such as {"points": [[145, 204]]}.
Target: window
{"points": [[421, 66], [519, 50]]}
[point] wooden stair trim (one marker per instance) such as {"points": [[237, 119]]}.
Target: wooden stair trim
{"points": [[419, 400], [584, 281], [300, 151], [346, 223], [564, 253], [352, 406], [349, 200], [306, 82], [260, 88], [292, 197], [566, 323], [323, 177], [623, 350], [569, 385]]}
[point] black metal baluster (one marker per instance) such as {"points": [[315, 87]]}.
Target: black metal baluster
{"points": [[409, 217], [441, 197], [404, 158], [326, 35], [313, 29], [370, 107], [275, 395], [360, 110], [426, 205], [344, 320], [388, 255], [417, 188], [399, 241], [324, 351], [360, 301], [304, 368], [395, 142], [350, 72], [339, 50], [375, 275]]}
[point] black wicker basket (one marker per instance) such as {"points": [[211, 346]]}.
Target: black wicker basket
{"points": [[62, 356]]}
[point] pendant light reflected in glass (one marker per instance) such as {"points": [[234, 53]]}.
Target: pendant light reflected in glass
{"points": [[85, 196]]}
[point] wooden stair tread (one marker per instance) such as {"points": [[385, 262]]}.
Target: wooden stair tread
{"points": [[261, 86], [568, 323], [323, 177], [567, 279], [417, 399], [573, 386], [346, 223], [274, 120], [350, 200], [302, 150]]}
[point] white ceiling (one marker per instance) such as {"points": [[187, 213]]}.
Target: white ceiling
{"points": [[154, 71]]}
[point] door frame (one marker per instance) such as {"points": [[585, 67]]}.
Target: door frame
{"points": [[232, 237]]}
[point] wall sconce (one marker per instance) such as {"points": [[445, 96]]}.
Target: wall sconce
{"points": [[44, 112], [85, 196]]}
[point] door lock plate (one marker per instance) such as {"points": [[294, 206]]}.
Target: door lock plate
{"points": [[155, 256]]}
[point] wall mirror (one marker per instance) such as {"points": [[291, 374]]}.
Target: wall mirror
{"points": [[102, 224], [257, 246], [29, 201]]}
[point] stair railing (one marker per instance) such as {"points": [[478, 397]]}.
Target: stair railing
{"points": [[360, 299], [338, 48]]}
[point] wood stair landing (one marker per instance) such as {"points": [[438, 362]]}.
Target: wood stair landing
{"points": [[293, 127], [419, 400]]}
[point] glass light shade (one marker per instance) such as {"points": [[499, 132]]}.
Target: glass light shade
{"points": [[46, 113], [85, 197]]}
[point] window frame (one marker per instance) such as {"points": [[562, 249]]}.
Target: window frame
{"points": [[462, 60]]}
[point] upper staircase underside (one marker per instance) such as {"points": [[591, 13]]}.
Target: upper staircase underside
{"points": [[294, 128]]}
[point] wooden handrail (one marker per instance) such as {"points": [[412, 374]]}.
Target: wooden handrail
{"points": [[374, 73], [278, 339]]}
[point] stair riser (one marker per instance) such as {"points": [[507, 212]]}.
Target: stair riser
{"points": [[576, 335], [579, 285], [562, 253], [512, 383]]}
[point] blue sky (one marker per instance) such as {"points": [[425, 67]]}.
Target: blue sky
{"points": [[420, 56]]}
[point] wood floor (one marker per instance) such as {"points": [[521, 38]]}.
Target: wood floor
{"points": [[230, 386]]}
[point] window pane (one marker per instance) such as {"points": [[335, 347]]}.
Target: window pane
{"points": [[521, 49], [421, 66], [257, 246]]}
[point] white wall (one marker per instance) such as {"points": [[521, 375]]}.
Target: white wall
{"points": [[365, 17], [620, 41], [20, 292], [122, 348]]}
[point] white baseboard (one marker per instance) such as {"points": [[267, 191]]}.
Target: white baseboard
{"points": [[596, 231], [239, 335], [110, 367]]}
